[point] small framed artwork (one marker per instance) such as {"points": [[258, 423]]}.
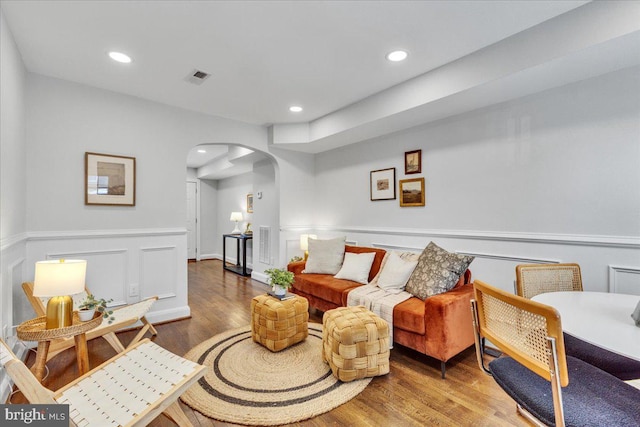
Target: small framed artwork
{"points": [[383, 184], [413, 162], [412, 192], [250, 203], [109, 180]]}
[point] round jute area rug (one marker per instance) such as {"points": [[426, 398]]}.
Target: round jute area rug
{"points": [[248, 384]]}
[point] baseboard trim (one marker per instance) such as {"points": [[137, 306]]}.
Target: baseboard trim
{"points": [[167, 315]]}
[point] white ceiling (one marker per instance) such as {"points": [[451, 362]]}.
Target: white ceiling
{"points": [[263, 56]]}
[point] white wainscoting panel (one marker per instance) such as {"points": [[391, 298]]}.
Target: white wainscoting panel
{"points": [[624, 280], [123, 265], [158, 272], [107, 272]]}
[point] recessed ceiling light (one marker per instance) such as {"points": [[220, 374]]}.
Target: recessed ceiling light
{"points": [[202, 151], [120, 57], [397, 55], [295, 109]]}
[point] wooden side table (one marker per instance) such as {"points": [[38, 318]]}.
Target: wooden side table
{"points": [[35, 330]]}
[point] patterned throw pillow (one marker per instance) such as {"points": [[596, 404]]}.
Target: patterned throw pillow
{"points": [[437, 271]]}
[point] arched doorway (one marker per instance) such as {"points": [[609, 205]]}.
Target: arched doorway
{"points": [[223, 178]]}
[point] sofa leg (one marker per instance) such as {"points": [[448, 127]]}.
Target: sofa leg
{"points": [[443, 368]]}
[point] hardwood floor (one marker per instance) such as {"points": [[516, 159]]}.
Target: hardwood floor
{"points": [[412, 394]]}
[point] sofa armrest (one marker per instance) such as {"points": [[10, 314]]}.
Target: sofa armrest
{"points": [[448, 322], [296, 267]]}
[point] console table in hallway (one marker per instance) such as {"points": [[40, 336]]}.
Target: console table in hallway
{"points": [[240, 267]]}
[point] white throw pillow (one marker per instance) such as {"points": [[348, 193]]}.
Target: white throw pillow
{"points": [[325, 256], [356, 267], [395, 273]]}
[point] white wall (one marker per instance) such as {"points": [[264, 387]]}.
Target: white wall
{"points": [[12, 185], [209, 243], [232, 197], [129, 248], [266, 213], [550, 177], [12, 173]]}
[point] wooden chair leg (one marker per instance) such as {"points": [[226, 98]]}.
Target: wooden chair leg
{"points": [[175, 413], [113, 340], [139, 335], [151, 328]]}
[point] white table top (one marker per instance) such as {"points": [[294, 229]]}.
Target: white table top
{"points": [[600, 318]]}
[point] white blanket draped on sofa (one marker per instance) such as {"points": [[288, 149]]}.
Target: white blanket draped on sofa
{"points": [[379, 302]]}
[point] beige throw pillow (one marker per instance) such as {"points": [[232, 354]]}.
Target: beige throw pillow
{"points": [[356, 267], [396, 273], [437, 271], [325, 256]]}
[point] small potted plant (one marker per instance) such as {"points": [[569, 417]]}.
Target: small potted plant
{"points": [[280, 280], [90, 305]]}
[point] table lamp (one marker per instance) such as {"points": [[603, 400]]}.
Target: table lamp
{"points": [[304, 243], [58, 279], [236, 216]]}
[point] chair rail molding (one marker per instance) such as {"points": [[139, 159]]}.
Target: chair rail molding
{"points": [[92, 234], [519, 259], [10, 241], [631, 242]]}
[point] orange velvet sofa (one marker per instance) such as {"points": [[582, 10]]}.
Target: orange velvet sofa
{"points": [[440, 327]]}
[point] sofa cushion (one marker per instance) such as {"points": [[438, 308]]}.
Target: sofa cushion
{"points": [[377, 260], [356, 267], [409, 316], [437, 271], [592, 397], [324, 286], [325, 256]]}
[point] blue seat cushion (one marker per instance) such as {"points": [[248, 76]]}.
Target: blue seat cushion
{"points": [[613, 363], [592, 397]]}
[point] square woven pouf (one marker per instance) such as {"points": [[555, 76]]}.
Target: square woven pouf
{"points": [[355, 343], [279, 324]]}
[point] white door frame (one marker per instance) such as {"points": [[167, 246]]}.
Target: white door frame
{"points": [[197, 182]]}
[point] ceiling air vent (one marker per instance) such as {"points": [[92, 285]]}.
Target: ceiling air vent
{"points": [[197, 77]]}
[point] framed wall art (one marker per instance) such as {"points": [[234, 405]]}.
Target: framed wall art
{"points": [[412, 192], [109, 180], [383, 184], [413, 162], [250, 203]]}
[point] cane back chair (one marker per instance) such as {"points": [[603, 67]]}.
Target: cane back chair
{"points": [[534, 279], [530, 335]]}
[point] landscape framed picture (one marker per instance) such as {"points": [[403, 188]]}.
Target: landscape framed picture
{"points": [[413, 162], [109, 180], [383, 184], [412, 192]]}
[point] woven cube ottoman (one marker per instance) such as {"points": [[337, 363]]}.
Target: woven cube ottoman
{"points": [[279, 324], [355, 343]]}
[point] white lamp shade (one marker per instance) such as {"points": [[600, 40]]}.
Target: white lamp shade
{"points": [[59, 277], [236, 216], [304, 241]]}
